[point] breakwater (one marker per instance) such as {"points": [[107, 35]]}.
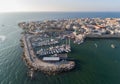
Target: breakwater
{"points": [[36, 64]]}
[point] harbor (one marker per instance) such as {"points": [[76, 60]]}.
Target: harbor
{"points": [[48, 65], [47, 44]]}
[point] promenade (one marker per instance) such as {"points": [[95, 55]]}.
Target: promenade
{"points": [[102, 36]]}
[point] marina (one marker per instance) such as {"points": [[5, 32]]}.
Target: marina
{"points": [[47, 51], [48, 65]]}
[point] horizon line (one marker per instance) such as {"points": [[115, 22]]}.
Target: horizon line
{"points": [[59, 11]]}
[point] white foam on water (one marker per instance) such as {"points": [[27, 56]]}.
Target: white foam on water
{"points": [[2, 38]]}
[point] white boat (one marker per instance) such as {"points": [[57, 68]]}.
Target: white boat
{"points": [[96, 45], [112, 46]]}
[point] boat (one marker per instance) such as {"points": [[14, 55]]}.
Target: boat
{"points": [[96, 45], [31, 73], [112, 46]]}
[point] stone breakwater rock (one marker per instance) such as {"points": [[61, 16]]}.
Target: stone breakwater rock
{"points": [[46, 67], [49, 68], [57, 68]]}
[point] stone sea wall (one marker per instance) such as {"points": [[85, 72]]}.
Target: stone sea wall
{"points": [[45, 67]]}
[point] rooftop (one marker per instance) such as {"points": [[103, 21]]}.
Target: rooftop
{"points": [[51, 58]]}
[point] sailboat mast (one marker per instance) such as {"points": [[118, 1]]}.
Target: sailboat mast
{"points": [[69, 41], [66, 41]]}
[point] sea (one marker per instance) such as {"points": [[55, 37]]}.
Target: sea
{"points": [[94, 64]]}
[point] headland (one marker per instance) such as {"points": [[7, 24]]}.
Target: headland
{"points": [[46, 43]]}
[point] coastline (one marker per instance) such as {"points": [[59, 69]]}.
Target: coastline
{"points": [[36, 34], [102, 36]]}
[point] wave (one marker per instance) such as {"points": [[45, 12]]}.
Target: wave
{"points": [[2, 38], [5, 48]]}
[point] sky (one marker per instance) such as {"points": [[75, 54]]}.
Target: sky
{"points": [[59, 5]]}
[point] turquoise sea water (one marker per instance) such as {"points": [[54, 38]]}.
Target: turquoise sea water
{"points": [[99, 65]]}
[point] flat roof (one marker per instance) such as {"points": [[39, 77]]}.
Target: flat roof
{"points": [[51, 58]]}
